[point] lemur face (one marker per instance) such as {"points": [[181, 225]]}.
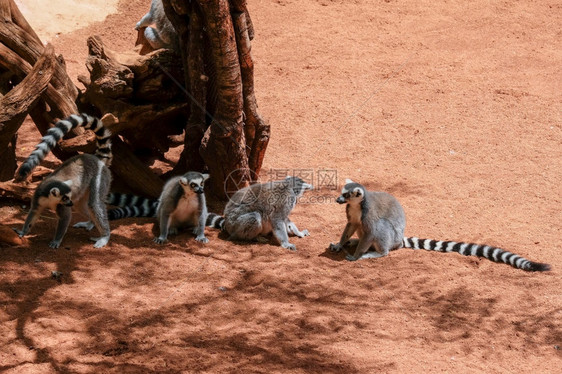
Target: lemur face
{"points": [[298, 185], [195, 184], [351, 193], [59, 193]]}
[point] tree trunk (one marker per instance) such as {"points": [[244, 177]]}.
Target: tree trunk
{"points": [[224, 125], [15, 107]]}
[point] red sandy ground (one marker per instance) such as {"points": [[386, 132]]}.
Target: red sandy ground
{"points": [[453, 106]]}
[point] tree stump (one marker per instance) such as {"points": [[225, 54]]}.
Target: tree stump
{"points": [[225, 130]]}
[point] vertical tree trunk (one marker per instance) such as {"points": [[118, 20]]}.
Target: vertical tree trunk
{"points": [[224, 145], [256, 130]]}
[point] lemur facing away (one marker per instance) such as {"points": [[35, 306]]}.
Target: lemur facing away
{"points": [[379, 220], [82, 181], [181, 204], [163, 35], [261, 209]]}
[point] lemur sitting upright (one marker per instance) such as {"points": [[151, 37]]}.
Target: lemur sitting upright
{"points": [[181, 204], [379, 220], [261, 209]]}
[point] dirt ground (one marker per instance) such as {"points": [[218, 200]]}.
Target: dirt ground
{"points": [[452, 106]]}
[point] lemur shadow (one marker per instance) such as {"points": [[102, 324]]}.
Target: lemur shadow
{"points": [[340, 256], [334, 256]]}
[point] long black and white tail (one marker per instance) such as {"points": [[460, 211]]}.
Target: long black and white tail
{"points": [[215, 221], [130, 206], [56, 133], [479, 250]]}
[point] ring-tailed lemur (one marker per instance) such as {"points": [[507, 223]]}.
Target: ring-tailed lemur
{"points": [[380, 221], [83, 179], [181, 204], [163, 35], [261, 209]]}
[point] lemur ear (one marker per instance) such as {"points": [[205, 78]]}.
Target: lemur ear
{"points": [[205, 177], [55, 192], [348, 181], [183, 180], [358, 191], [68, 182]]}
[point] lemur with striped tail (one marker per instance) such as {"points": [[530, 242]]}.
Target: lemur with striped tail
{"points": [[181, 204], [379, 220], [82, 181], [261, 209]]}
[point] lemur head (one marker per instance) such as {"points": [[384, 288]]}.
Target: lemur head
{"points": [[298, 185], [193, 182], [56, 193], [351, 193]]}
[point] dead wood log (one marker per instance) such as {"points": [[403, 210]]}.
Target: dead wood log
{"points": [[23, 192], [16, 104], [133, 172], [21, 47], [141, 91]]}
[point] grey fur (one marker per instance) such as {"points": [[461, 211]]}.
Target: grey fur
{"points": [[182, 203], [82, 180], [377, 217], [379, 220], [91, 181], [261, 209], [163, 34]]}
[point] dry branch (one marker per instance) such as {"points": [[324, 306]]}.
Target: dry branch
{"points": [[15, 106], [23, 192]]}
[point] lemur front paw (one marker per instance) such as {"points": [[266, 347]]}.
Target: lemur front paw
{"points": [[202, 239], [100, 242], [350, 258], [159, 240], [335, 247], [55, 244], [20, 233], [289, 246]]}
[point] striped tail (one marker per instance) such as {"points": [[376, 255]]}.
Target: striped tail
{"points": [[56, 133], [130, 206], [215, 221], [479, 250]]}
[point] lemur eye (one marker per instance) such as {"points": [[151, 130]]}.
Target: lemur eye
{"points": [[346, 195], [193, 185]]}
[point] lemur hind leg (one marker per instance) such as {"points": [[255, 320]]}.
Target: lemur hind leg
{"points": [[245, 227]]}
